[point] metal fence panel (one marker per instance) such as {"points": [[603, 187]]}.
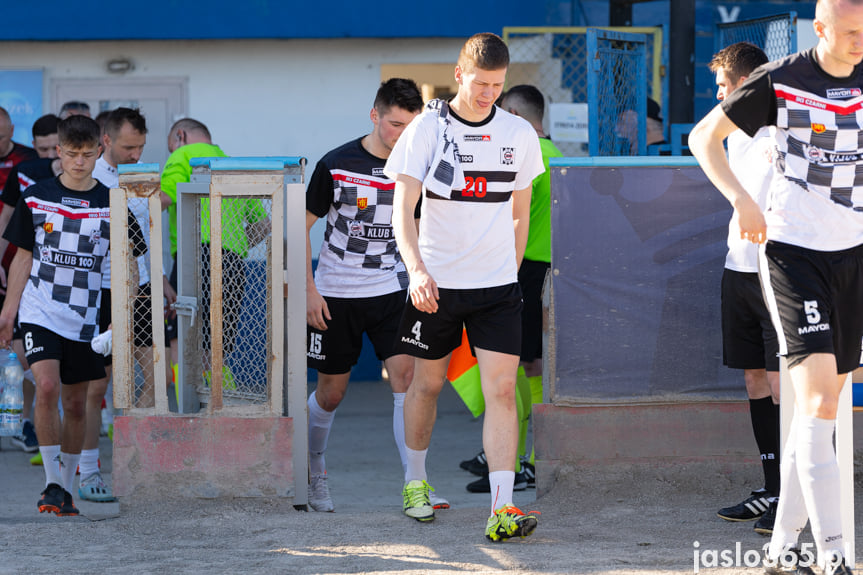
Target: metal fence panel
{"points": [[554, 59], [617, 93], [776, 35], [637, 259]]}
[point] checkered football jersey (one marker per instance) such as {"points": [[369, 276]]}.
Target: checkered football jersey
{"points": [[358, 257], [67, 231], [816, 195], [467, 238]]}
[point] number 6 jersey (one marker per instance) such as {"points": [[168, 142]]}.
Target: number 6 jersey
{"points": [[67, 232]]}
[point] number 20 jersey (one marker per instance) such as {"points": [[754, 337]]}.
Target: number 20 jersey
{"points": [[467, 240]]}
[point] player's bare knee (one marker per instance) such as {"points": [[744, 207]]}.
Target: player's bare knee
{"points": [[757, 386]]}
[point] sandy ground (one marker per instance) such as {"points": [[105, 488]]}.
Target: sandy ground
{"points": [[622, 520]]}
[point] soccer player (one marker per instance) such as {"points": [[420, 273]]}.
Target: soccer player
{"points": [[748, 337], [360, 285], [813, 255], [61, 229], [473, 165], [527, 102]]}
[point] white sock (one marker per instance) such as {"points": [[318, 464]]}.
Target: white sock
{"points": [[399, 427], [51, 464], [320, 423], [818, 470], [28, 375], [791, 516], [501, 488], [68, 469], [89, 463], [416, 464]]}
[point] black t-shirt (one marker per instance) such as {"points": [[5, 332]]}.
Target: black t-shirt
{"points": [[25, 175]]}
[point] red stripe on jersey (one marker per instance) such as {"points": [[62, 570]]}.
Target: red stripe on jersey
{"points": [[348, 179], [72, 215], [818, 104]]}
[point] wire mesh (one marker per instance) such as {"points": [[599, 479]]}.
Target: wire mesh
{"points": [[245, 297], [776, 35], [140, 308], [555, 61], [618, 93]]}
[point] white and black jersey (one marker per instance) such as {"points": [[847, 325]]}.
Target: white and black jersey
{"points": [[751, 160], [359, 257], [68, 233], [816, 197], [467, 238]]}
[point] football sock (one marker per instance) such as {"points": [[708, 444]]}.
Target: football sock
{"points": [[89, 463], [416, 464], [818, 470], [320, 423], [399, 427], [765, 426], [791, 514], [51, 464], [70, 466], [501, 488]]}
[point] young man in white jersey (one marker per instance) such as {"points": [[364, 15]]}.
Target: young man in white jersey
{"points": [[473, 164], [360, 285], [813, 258], [61, 229], [748, 337]]}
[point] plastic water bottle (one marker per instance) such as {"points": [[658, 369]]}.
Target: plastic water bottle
{"points": [[11, 393]]}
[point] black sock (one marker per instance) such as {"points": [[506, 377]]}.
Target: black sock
{"points": [[765, 425]]}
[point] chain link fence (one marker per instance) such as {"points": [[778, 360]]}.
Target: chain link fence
{"points": [[617, 93], [243, 289], [554, 59], [776, 35]]}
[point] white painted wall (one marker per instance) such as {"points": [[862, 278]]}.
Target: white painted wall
{"points": [[258, 97]]}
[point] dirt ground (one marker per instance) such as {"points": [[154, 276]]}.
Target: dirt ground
{"points": [[642, 520]]}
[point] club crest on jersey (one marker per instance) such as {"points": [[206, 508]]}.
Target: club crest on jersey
{"points": [[48, 227], [362, 203], [477, 138], [819, 128], [843, 92], [813, 154], [507, 156], [95, 236]]}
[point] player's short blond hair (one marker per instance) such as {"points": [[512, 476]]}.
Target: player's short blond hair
{"points": [[485, 51]]}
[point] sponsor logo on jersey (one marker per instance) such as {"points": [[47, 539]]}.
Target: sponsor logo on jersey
{"points": [[819, 156], [477, 137], [317, 356], [68, 259], [465, 158], [362, 203], [378, 171], [358, 229], [819, 128], [843, 92], [75, 202], [48, 227], [507, 156]]}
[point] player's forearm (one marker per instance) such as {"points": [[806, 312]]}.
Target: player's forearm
{"points": [[705, 142], [404, 226], [19, 273]]}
